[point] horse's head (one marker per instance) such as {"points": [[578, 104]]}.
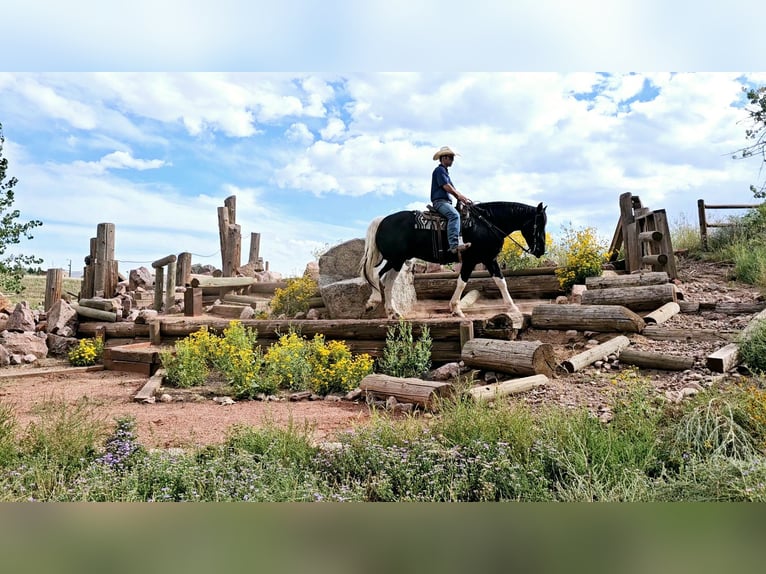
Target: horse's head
{"points": [[533, 231]]}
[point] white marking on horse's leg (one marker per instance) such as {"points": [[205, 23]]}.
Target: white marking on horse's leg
{"points": [[503, 286], [388, 286], [454, 303], [374, 300]]}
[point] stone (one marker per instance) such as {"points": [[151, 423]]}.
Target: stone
{"points": [[59, 345], [446, 372], [24, 343], [341, 262], [21, 319], [346, 299], [62, 319], [140, 277]]}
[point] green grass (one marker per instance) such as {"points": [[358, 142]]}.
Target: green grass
{"points": [[34, 290]]}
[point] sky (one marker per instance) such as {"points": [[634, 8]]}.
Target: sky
{"points": [[150, 117]]}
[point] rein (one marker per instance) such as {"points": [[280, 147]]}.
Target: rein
{"points": [[476, 212]]}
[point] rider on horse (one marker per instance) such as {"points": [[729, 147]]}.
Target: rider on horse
{"points": [[441, 189]]}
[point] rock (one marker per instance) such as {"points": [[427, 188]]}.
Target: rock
{"points": [[140, 277], [62, 319], [25, 343], [445, 372], [224, 401], [346, 299], [59, 345], [341, 262], [21, 319], [166, 398], [391, 402], [312, 270], [353, 394]]}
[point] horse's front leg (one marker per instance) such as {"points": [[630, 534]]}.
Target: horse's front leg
{"points": [[462, 280], [497, 276]]}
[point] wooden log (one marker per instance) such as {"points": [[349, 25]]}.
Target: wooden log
{"points": [[233, 250], [232, 310], [514, 357], [643, 298], [628, 280], [666, 245], [255, 247], [663, 333], [505, 388], [164, 261], [170, 286], [193, 302], [589, 356], [753, 323], [54, 286], [601, 318], [689, 306], [725, 358], [159, 283], [534, 286], [210, 281], [533, 271], [183, 269], [123, 329], [268, 287], [662, 314], [114, 305], [97, 314], [657, 259], [650, 360], [407, 390], [223, 226], [47, 371], [739, 307], [650, 236]]}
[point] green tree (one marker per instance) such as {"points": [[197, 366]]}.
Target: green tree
{"points": [[756, 133], [12, 266]]}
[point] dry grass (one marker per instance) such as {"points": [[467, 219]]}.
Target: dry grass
{"points": [[34, 290]]}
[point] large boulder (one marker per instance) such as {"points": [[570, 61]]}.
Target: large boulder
{"points": [[25, 343], [62, 319], [140, 277], [60, 346], [21, 319], [346, 299], [341, 262]]}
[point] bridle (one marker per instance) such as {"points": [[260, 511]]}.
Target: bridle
{"points": [[476, 212]]}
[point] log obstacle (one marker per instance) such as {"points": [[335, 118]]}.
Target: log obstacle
{"points": [[663, 313], [590, 356], [407, 390], [600, 318], [505, 388], [54, 287], [650, 360], [631, 280], [663, 333], [168, 284], [725, 358], [540, 285], [513, 357], [641, 298]]}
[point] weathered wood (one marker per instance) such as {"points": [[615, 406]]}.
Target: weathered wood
{"points": [[268, 287], [155, 331], [164, 261], [466, 333], [255, 246], [144, 352], [159, 284], [97, 314], [596, 353], [514, 357], [753, 323], [739, 307], [650, 360], [230, 203], [231, 310], [170, 285], [233, 250], [17, 373], [147, 391], [533, 286], [663, 333], [113, 305], [407, 390], [54, 286], [663, 313], [656, 259], [665, 244], [441, 351], [640, 298], [193, 302], [627, 280], [650, 236], [130, 367], [104, 253], [601, 318], [505, 388], [689, 306], [223, 226], [210, 281], [725, 358], [183, 269], [124, 329]]}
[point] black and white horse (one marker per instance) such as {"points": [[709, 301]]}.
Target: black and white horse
{"points": [[400, 236]]}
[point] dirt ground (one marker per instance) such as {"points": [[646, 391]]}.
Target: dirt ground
{"points": [[194, 418]]}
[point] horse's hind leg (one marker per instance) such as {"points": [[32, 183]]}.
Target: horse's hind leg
{"points": [[388, 300]]}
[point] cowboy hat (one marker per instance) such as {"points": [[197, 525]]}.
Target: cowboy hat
{"points": [[445, 150]]}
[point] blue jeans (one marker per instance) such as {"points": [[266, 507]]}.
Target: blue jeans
{"points": [[446, 209]]}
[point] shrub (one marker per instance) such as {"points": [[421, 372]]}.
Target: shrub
{"points": [[298, 364], [752, 347], [512, 256], [87, 352], [583, 255], [402, 355], [294, 298], [187, 365]]}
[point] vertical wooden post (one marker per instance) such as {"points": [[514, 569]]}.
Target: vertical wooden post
{"points": [[626, 219], [88, 273], [155, 332], [255, 246], [54, 283], [703, 223], [193, 302], [230, 203], [159, 279], [665, 243], [223, 227], [104, 254], [183, 270], [170, 290], [466, 332], [233, 257]]}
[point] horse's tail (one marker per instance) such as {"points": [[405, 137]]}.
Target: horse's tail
{"points": [[371, 257]]}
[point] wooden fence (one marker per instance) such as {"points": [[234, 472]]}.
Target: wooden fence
{"points": [[702, 207]]}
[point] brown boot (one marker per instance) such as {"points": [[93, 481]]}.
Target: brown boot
{"points": [[459, 248]]}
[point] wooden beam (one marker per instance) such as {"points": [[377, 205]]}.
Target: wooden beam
{"points": [[147, 391], [724, 359], [650, 360], [663, 313], [629, 280], [505, 388], [647, 297], [590, 356], [601, 318]]}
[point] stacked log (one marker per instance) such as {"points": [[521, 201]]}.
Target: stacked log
{"points": [[513, 357], [538, 283], [600, 318], [635, 298], [407, 390]]}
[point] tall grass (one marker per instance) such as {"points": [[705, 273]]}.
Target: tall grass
{"points": [[34, 290]]}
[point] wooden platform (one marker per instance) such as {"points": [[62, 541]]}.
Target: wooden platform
{"points": [[142, 358]]}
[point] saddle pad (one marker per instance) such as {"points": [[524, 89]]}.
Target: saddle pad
{"points": [[430, 221]]}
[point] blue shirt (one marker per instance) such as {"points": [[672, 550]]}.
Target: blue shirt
{"points": [[439, 178]]}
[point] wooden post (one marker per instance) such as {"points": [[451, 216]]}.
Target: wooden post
{"points": [[665, 242], [88, 273], [183, 270], [614, 345], [223, 226], [193, 302], [54, 283], [230, 203], [663, 313], [255, 246], [155, 334], [643, 298], [159, 280], [725, 358], [104, 254], [466, 332], [703, 223], [170, 289], [233, 257]]}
